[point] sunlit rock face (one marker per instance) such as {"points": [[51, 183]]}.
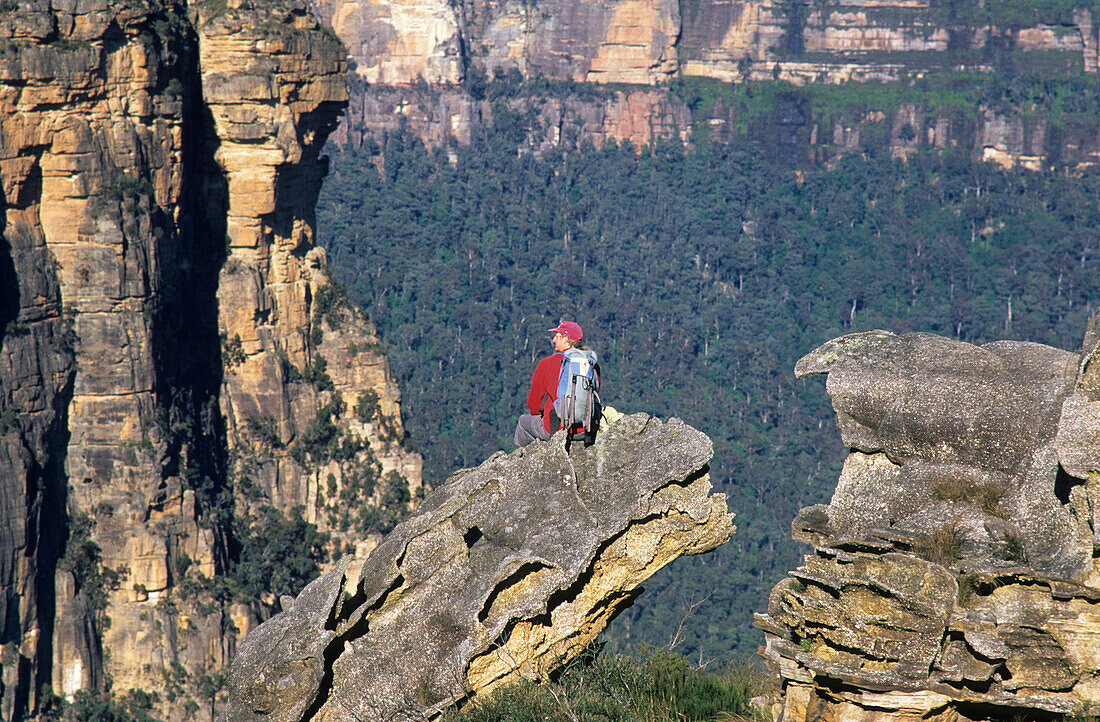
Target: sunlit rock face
{"points": [[399, 42], [504, 573], [159, 163], [99, 234], [647, 41], [859, 39], [425, 64], [954, 574], [296, 353]]}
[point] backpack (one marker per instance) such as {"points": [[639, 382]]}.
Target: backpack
{"points": [[578, 402]]}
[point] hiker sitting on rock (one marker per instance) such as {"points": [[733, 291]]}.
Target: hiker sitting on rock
{"points": [[564, 390]]}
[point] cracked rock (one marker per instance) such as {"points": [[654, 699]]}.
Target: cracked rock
{"points": [[503, 573]]}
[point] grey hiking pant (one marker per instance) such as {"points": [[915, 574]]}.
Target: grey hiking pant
{"points": [[528, 428]]}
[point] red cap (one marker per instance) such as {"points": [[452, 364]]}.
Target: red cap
{"points": [[571, 330]]}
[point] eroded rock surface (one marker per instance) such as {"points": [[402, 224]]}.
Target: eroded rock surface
{"points": [[954, 572], [164, 336], [647, 41], [505, 572]]}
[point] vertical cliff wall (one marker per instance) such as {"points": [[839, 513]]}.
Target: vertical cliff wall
{"points": [[174, 358], [431, 64], [646, 42]]}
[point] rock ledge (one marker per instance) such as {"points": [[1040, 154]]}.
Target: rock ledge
{"points": [[505, 572]]}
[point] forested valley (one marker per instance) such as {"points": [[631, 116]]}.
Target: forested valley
{"points": [[700, 276]]}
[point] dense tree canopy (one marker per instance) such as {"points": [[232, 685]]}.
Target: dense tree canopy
{"points": [[700, 277]]}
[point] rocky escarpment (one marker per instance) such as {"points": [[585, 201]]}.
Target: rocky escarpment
{"points": [[433, 64], [311, 408], [505, 572], [954, 572], [648, 41], [165, 356]]}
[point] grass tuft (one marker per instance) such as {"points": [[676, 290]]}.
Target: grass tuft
{"points": [[941, 546], [958, 489]]}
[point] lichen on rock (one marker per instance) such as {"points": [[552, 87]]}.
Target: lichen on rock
{"points": [[505, 572]]}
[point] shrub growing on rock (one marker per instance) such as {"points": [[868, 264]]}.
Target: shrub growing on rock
{"points": [[656, 686]]}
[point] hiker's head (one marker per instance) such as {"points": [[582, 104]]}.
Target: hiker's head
{"points": [[567, 334]]}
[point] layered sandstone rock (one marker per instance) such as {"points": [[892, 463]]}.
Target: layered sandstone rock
{"points": [[92, 137], [426, 64], [504, 573], [612, 41], [294, 369], [860, 39], [954, 572], [398, 42], [159, 166], [442, 116]]}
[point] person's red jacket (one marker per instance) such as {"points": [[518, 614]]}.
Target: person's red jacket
{"points": [[544, 390]]}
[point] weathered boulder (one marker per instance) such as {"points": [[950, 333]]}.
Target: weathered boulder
{"points": [[944, 431], [505, 572], [953, 574]]}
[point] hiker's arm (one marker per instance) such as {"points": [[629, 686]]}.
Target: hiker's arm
{"points": [[534, 395]]}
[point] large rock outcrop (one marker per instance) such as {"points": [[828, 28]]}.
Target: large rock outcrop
{"points": [[165, 357], [307, 394], [504, 572], [406, 41], [954, 573]]}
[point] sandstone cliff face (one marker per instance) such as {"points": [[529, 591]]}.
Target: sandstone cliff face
{"points": [[93, 139], [954, 573], [612, 41], [441, 116], [425, 63], [618, 41], [298, 355], [398, 42], [504, 573], [159, 168], [861, 40]]}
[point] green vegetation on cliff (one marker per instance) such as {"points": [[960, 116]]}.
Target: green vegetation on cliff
{"points": [[1065, 105], [1010, 13], [655, 686]]}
